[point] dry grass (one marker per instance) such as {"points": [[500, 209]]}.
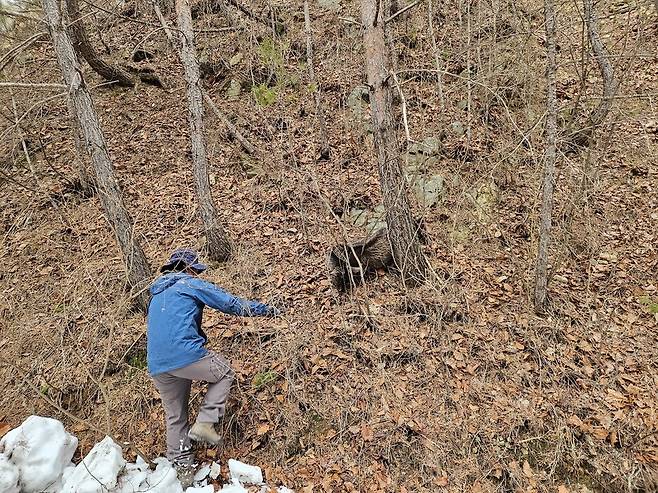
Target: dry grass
{"points": [[454, 386]]}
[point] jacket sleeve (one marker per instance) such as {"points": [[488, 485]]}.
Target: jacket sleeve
{"points": [[210, 295]]}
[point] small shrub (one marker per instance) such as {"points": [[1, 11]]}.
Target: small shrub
{"points": [[263, 379], [263, 95]]}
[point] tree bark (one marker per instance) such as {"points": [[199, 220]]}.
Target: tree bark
{"points": [[325, 150], [219, 247], [402, 232], [85, 175], [85, 50], [610, 84], [541, 273], [92, 135]]}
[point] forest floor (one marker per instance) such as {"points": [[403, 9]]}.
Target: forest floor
{"points": [[452, 386]]}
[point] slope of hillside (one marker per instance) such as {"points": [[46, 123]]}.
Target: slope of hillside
{"points": [[452, 386]]}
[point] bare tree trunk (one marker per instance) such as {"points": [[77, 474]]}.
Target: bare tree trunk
{"points": [[110, 194], [582, 137], [610, 84], [85, 175], [219, 247], [402, 233], [324, 138], [541, 274], [84, 48]]}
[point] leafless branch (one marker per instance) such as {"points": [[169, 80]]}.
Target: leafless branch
{"points": [[232, 129], [402, 11], [163, 21], [7, 57], [33, 85]]}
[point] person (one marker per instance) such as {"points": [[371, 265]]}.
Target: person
{"points": [[176, 353]]}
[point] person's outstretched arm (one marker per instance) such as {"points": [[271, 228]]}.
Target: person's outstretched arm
{"points": [[217, 298]]}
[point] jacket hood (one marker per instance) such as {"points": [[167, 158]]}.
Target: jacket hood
{"points": [[166, 281]]}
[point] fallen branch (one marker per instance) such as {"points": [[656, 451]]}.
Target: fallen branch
{"points": [[18, 15], [39, 103], [35, 85], [16, 182], [137, 21], [84, 49], [402, 11], [232, 129], [163, 21], [249, 13]]}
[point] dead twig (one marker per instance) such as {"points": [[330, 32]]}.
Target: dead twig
{"points": [[33, 85], [402, 11], [21, 136], [405, 121], [163, 21], [7, 57], [232, 129]]}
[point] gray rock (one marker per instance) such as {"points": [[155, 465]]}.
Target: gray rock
{"points": [[418, 164], [251, 167], [429, 190], [356, 216], [332, 5], [485, 199], [358, 101], [430, 146], [235, 59], [457, 128], [234, 89]]}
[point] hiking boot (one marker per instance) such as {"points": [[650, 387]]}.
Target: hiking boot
{"points": [[205, 432], [185, 473]]}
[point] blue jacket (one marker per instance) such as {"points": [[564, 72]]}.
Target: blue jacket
{"points": [[174, 337]]}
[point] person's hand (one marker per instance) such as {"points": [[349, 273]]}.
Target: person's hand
{"points": [[276, 312]]}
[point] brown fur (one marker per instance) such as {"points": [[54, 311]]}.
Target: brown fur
{"points": [[350, 264]]}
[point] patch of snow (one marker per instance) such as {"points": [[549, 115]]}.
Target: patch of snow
{"points": [[244, 473], [8, 476], [202, 473], [234, 487], [215, 470], [40, 448], [162, 480], [204, 489], [133, 476], [98, 471], [36, 457], [68, 470]]}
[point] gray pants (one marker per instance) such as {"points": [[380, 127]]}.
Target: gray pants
{"points": [[174, 387]]}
